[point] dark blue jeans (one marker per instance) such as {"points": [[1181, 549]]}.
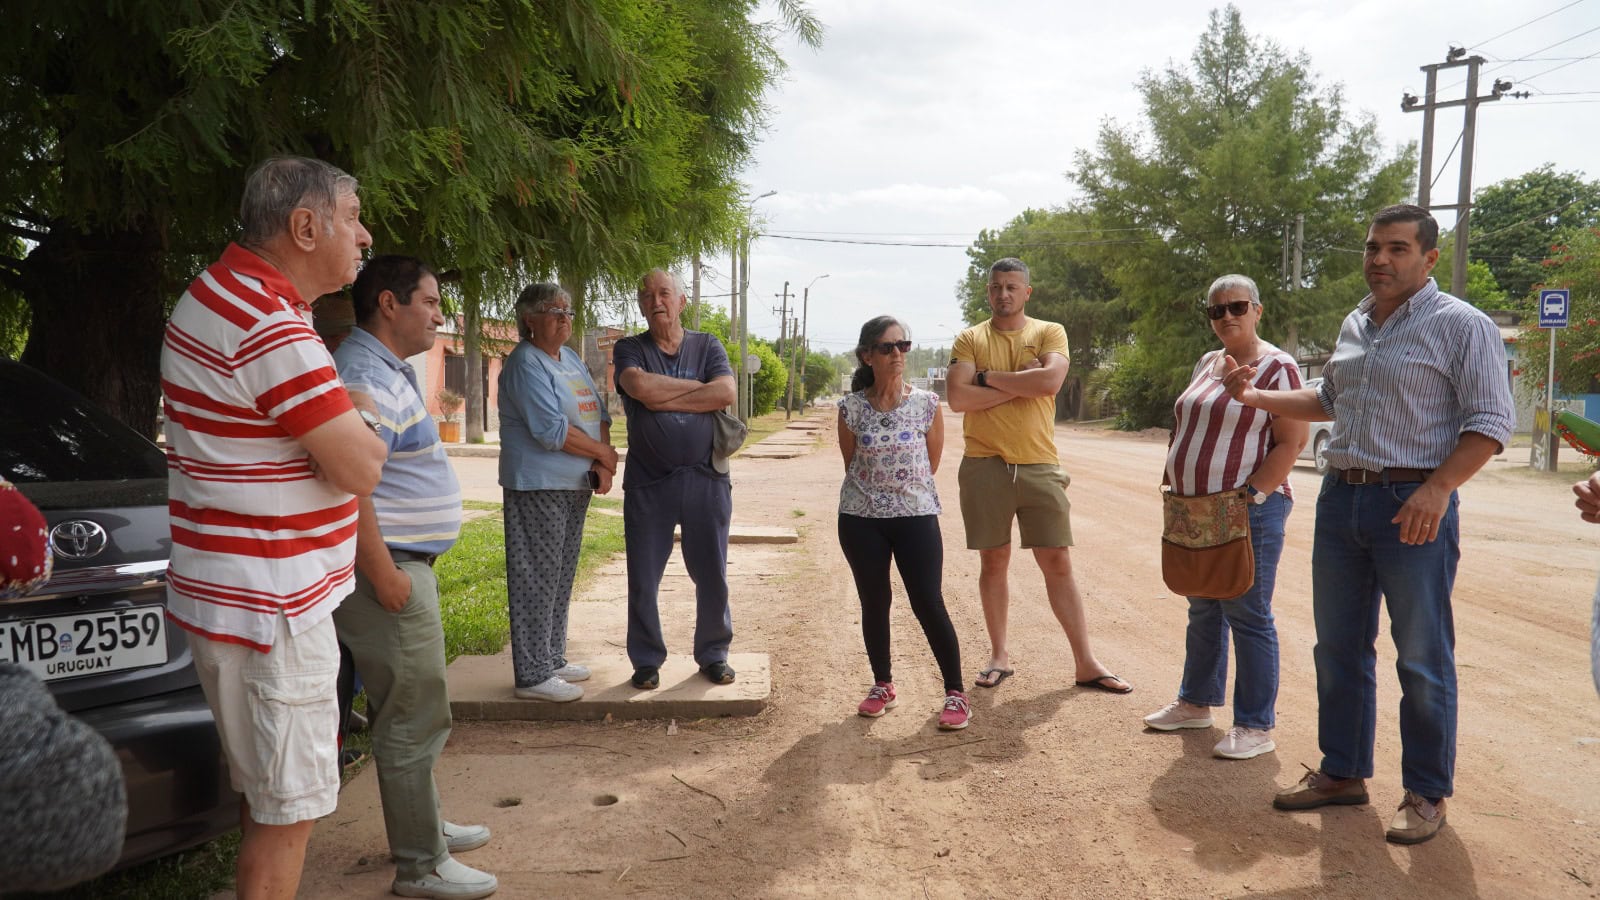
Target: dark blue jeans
{"points": [[703, 505], [1255, 636], [1357, 562]]}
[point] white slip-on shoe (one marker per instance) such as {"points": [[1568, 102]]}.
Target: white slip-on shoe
{"points": [[461, 838], [450, 881], [1244, 743], [573, 672], [1173, 716], [555, 689]]}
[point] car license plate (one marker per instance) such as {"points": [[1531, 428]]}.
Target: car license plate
{"points": [[56, 647]]}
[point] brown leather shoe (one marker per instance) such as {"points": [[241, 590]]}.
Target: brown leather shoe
{"points": [[1416, 821], [1316, 789]]}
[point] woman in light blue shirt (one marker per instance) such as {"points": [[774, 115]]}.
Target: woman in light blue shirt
{"points": [[555, 450]]}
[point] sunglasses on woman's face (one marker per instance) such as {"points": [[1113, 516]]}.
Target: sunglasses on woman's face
{"points": [[888, 347], [1237, 309]]}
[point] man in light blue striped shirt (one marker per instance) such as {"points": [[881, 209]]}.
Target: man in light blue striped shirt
{"points": [[1419, 397], [391, 623]]}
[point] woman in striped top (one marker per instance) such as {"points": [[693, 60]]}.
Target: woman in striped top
{"points": [[1219, 444]]}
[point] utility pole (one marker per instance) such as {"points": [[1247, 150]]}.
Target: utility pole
{"points": [[783, 324], [1430, 102], [805, 313], [695, 279]]}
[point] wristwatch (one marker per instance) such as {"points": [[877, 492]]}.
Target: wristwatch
{"points": [[372, 420], [1256, 496], [983, 378]]}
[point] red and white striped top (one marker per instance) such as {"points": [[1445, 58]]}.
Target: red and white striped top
{"points": [[1218, 441], [254, 534]]}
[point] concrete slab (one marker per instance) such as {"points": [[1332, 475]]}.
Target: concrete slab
{"points": [[780, 451], [481, 688], [804, 426]]}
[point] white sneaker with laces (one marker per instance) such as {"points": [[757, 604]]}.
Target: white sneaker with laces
{"points": [[573, 672], [555, 689], [1176, 715], [451, 881], [461, 838], [1244, 743]]}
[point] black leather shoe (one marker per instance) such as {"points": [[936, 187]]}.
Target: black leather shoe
{"points": [[718, 672], [647, 678]]}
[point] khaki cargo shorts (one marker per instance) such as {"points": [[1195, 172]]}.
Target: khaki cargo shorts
{"points": [[993, 492], [278, 716]]}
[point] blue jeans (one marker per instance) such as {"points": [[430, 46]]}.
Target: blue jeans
{"points": [[1255, 637], [1356, 559]]}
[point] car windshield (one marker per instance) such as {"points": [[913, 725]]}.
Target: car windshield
{"points": [[48, 433]]}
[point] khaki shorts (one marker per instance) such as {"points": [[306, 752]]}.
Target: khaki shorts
{"points": [[278, 715], [994, 492]]}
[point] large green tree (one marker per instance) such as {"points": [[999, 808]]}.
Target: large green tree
{"points": [[500, 139], [1070, 286], [1232, 148], [1517, 223]]}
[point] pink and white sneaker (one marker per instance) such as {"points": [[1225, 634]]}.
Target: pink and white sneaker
{"points": [[956, 712], [880, 699]]}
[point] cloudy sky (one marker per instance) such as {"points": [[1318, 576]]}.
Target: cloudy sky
{"points": [[923, 121]]}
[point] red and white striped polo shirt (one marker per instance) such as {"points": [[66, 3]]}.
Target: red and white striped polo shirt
{"points": [[254, 533], [1218, 441]]}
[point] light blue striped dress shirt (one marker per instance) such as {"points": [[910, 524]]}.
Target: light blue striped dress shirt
{"points": [[1401, 394], [418, 499]]}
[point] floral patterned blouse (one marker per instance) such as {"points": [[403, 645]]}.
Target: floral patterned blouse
{"points": [[890, 475]]}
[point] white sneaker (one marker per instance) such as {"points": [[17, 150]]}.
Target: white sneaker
{"points": [[573, 672], [555, 689], [461, 838], [1174, 716], [451, 881], [1244, 743]]}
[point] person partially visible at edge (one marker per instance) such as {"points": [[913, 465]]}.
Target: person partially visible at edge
{"points": [[1588, 504], [1004, 374], [1419, 398], [671, 381], [555, 453], [891, 436], [1219, 444], [391, 622], [268, 457]]}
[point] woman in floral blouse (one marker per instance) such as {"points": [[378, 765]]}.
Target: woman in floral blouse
{"points": [[891, 435]]}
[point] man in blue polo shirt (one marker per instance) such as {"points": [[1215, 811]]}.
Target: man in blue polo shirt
{"points": [[391, 623]]}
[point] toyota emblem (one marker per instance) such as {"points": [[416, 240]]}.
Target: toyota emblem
{"points": [[78, 539]]}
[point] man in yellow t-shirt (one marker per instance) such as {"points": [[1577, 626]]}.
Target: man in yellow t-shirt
{"points": [[1004, 376]]}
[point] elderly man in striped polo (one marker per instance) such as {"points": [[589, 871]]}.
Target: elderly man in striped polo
{"points": [[1419, 398], [391, 622], [267, 456]]}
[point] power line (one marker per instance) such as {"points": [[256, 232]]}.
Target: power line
{"points": [[1448, 156], [1021, 245], [1524, 81], [1534, 53], [1524, 24]]}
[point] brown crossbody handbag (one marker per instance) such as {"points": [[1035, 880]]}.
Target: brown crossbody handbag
{"points": [[1205, 544]]}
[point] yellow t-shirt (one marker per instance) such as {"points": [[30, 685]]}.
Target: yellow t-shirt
{"points": [[1021, 431]]}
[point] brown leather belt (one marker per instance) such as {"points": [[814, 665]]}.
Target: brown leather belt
{"points": [[1387, 476]]}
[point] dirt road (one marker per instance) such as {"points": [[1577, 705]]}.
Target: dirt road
{"points": [[1055, 791]]}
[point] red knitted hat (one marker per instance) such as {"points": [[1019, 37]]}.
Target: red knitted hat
{"points": [[25, 555]]}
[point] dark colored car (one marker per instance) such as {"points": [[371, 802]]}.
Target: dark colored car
{"points": [[97, 631]]}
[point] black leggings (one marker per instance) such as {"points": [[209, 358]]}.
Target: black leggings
{"points": [[918, 551]]}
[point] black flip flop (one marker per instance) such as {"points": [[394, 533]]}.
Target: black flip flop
{"points": [[1099, 684], [999, 676]]}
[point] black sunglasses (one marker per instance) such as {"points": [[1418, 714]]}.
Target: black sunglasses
{"points": [[888, 346], [1236, 309]]}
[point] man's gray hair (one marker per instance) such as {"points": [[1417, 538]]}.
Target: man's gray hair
{"points": [[1011, 264], [1232, 282], [644, 283], [536, 298], [282, 184]]}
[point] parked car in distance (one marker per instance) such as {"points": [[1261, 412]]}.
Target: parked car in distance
{"points": [[97, 631], [1317, 440]]}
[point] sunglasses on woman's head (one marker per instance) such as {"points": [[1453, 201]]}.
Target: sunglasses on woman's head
{"points": [[887, 346], [1236, 309]]}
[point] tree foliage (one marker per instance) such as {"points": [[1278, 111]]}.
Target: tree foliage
{"points": [[1232, 149], [1571, 265], [500, 140], [1517, 223]]}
